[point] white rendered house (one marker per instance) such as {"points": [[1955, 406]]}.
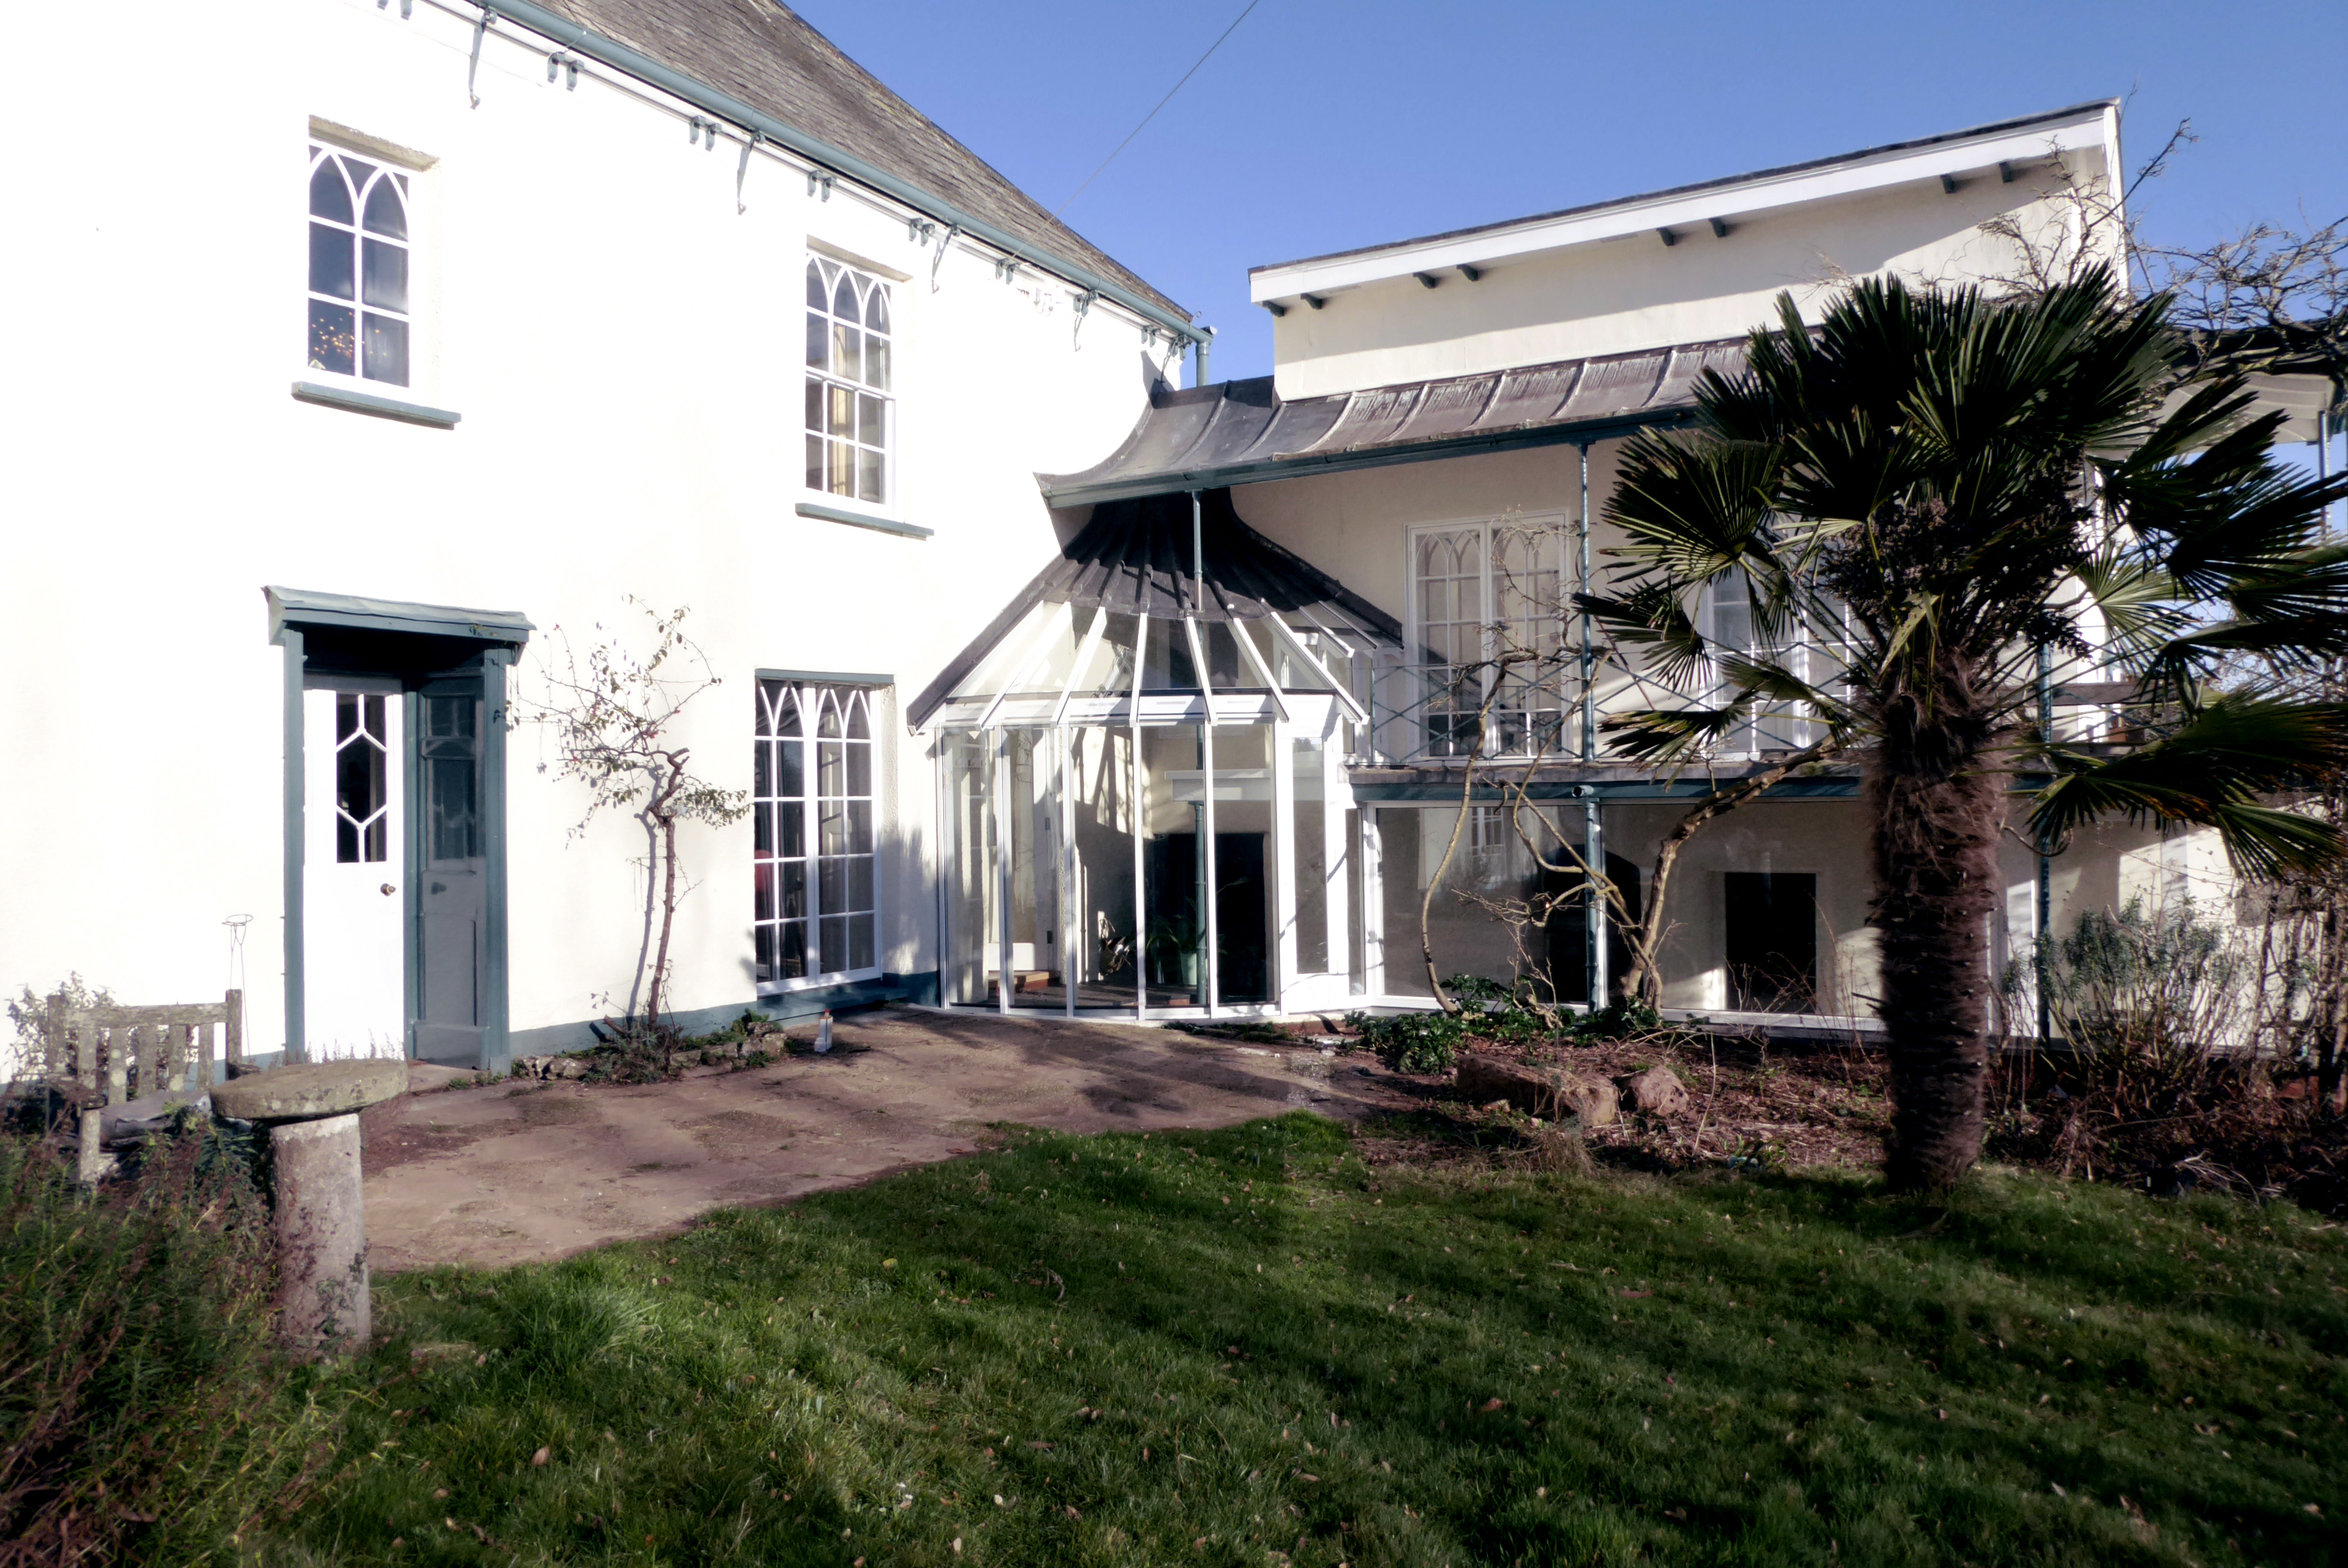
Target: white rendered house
{"points": [[1244, 674], [458, 327], [1049, 685]]}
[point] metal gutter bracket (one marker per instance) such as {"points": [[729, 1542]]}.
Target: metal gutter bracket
{"points": [[561, 60], [939, 260], [741, 170], [473, 65], [821, 180]]}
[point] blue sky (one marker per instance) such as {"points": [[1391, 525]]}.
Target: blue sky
{"points": [[1326, 124]]}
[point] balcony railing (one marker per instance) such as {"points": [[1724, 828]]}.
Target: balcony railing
{"points": [[1436, 713]]}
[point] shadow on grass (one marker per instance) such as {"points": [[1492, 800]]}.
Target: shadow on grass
{"points": [[1216, 1347]]}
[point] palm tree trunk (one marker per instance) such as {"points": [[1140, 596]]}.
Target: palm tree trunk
{"points": [[1935, 816]]}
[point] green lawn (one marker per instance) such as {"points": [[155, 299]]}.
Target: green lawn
{"points": [[1250, 1347]]}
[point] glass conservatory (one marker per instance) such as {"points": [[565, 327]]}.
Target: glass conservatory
{"points": [[1144, 799]]}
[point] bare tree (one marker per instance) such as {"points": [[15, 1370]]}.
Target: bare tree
{"points": [[614, 712]]}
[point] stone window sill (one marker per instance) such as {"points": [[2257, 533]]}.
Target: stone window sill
{"points": [[381, 408]]}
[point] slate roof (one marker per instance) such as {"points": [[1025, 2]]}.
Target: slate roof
{"points": [[1243, 432], [765, 55]]}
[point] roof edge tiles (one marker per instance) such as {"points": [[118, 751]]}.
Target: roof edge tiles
{"points": [[1267, 284], [668, 36], [1175, 448]]}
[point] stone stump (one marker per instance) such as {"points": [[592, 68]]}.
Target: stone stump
{"points": [[312, 1115]]}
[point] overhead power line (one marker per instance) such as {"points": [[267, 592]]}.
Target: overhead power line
{"points": [[1152, 115]]}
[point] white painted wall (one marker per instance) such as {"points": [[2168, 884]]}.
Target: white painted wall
{"points": [[624, 348], [1630, 292]]}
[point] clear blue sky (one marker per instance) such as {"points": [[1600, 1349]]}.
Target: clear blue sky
{"points": [[1326, 124]]}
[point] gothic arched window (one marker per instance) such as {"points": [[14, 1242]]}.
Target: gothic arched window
{"points": [[358, 268]]}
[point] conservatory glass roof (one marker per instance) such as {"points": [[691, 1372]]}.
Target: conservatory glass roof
{"points": [[1129, 622]]}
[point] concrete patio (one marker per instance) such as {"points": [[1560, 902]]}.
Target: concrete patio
{"points": [[522, 1171]]}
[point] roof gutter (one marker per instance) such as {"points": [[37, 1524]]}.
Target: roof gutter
{"points": [[621, 58], [1298, 465]]}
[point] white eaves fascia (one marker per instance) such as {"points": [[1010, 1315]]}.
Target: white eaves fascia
{"points": [[2097, 126]]}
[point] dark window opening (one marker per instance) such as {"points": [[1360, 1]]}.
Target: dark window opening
{"points": [[1772, 940]]}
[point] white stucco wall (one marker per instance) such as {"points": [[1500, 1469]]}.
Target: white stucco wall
{"points": [[1631, 292], [623, 347]]}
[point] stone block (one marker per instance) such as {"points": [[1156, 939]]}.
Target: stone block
{"points": [[1657, 1091], [1548, 1091], [311, 1090]]}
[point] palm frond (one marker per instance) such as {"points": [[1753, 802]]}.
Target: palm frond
{"points": [[2211, 771]]}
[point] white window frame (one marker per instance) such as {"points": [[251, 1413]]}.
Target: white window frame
{"points": [[409, 182], [1768, 733], [831, 382], [813, 699], [1554, 530]]}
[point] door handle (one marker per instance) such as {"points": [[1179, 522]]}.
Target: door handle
{"points": [[388, 890]]}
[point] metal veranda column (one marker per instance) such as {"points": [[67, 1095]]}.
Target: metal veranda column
{"points": [[2043, 897], [1593, 827]]}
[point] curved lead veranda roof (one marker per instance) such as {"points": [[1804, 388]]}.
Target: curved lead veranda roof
{"points": [[1242, 432], [1134, 558]]}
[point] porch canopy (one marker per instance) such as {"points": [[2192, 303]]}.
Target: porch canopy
{"points": [[1163, 610]]}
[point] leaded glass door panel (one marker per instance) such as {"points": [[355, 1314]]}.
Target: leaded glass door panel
{"points": [[353, 866], [451, 874]]}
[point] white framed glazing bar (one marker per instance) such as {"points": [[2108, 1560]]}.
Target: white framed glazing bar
{"points": [[999, 850], [1071, 902], [1286, 978], [1212, 969], [1337, 801], [1141, 832], [1076, 669]]}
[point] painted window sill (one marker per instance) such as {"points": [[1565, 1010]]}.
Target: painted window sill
{"points": [[382, 407], [862, 520]]}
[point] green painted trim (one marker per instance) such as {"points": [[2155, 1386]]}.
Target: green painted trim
{"points": [[371, 403], [1307, 463], [306, 607], [700, 94], [411, 873], [828, 677], [290, 638], [496, 1047], [862, 520]]}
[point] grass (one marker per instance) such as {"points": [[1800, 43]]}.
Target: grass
{"points": [[143, 1410], [1250, 1347]]}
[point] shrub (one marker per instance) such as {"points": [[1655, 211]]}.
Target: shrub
{"points": [[141, 1407], [1413, 1041]]}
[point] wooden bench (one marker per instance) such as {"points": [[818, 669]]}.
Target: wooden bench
{"points": [[121, 1053]]}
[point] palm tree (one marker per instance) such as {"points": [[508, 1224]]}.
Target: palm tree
{"points": [[1932, 493]]}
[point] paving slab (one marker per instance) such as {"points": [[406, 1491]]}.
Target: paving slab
{"points": [[514, 1173]]}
